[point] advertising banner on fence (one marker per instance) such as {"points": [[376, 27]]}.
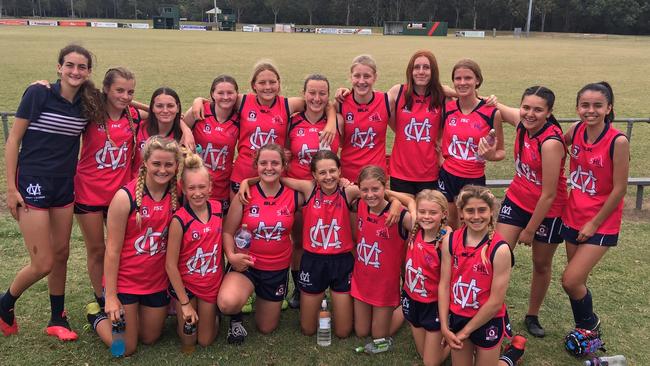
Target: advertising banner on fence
{"points": [[361, 31], [68, 23], [43, 23], [103, 24], [250, 28], [470, 34], [138, 25], [193, 27], [13, 22]]}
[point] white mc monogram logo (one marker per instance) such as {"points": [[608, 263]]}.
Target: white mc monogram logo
{"points": [[325, 235], [418, 131], [111, 156]]}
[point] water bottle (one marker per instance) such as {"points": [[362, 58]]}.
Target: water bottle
{"points": [[490, 139], [324, 335], [188, 343], [117, 345], [243, 239], [376, 346], [618, 360]]}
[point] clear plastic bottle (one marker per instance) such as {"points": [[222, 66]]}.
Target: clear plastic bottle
{"points": [[188, 343], [324, 335], [618, 360], [243, 239], [117, 345], [490, 139], [376, 346]]}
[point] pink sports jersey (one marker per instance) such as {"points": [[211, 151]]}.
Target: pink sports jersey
{"points": [[526, 186], [414, 157], [422, 270], [142, 261], [304, 142], [105, 163], [591, 180], [365, 134], [260, 125], [326, 223], [141, 137], [471, 276], [217, 141], [200, 260], [270, 220], [380, 256], [460, 138]]}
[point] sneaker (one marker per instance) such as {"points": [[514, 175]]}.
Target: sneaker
{"points": [[514, 352], [294, 300], [7, 329], [60, 328], [248, 306], [533, 327], [236, 333]]}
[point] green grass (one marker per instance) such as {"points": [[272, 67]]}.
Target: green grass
{"points": [[187, 61]]}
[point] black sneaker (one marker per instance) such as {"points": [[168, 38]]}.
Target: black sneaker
{"points": [[236, 333], [533, 327], [294, 301]]}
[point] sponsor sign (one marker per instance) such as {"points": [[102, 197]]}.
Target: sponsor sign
{"points": [[72, 23], [43, 23], [13, 22], [193, 27], [103, 24]]}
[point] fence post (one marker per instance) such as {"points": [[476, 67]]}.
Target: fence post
{"points": [[630, 123], [5, 125]]}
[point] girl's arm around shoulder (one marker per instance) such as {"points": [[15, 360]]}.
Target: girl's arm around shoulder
{"points": [[568, 135], [509, 114], [305, 187]]}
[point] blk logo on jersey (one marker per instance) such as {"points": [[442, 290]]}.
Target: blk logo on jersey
{"points": [[269, 233], [306, 154], [583, 180], [465, 294], [325, 236], [369, 253], [254, 211], [362, 139], [202, 262], [349, 117], [151, 243], [463, 150], [33, 189], [523, 170], [418, 131], [214, 158], [415, 280], [260, 138], [111, 157], [252, 116]]}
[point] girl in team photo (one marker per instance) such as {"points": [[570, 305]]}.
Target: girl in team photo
{"points": [[599, 166], [532, 208], [194, 259], [41, 160], [134, 264], [466, 136], [474, 275]]}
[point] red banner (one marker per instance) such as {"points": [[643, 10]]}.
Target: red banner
{"points": [[13, 22], [69, 23]]}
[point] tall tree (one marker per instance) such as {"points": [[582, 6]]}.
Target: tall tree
{"points": [[310, 7], [275, 6]]}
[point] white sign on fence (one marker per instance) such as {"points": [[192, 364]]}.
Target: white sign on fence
{"points": [[103, 24], [43, 23], [138, 25]]}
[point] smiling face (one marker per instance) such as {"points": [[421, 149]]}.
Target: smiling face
{"points": [[316, 95], [327, 175], [225, 95], [429, 214], [75, 69], [120, 93], [269, 166], [165, 108], [161, 167], [593, 107], [465, 82], [421, 71], [372, 192], [363, 78], [534, 112], [476, 214], [266, 86], [197, 186]]}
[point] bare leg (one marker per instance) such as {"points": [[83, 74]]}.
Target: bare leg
{"points": [[267, 315], [343, 310], [92, 228]]}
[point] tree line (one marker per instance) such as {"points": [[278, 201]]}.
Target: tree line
{"points": [[583, 16]]}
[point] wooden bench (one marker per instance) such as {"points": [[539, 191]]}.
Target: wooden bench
{"points": [[639, 182]]}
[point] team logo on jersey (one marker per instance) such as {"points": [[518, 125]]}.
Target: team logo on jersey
{"points": [[491, 333], [326, 236], [542, 231], [585, 181], [269, 233], [441, 186], [383, 233], [203, 262], [33, 189], [463, 150], [214, 158], [207, 128], [418, 131], [415, 280], [284, 211], [304, 277], [254, 211], [252, 116], [112, 157], [406, 305], [524, 171], [465, 294], [361, 139], [260, 138], [596, 161], [575, 151], [349, 117], [375, 117], [151, 243], [196, 235], [277, 120], [452, 121], [369, 253], [144, 211], [300, 132], [506, 210], [306, 154], [281, 290], [480, 268]]}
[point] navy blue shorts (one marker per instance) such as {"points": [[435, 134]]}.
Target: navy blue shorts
{"points": [[46, 192], [320, 271], [269, 285], [234, 186], [451, 185], [155, 300], [81, 209], [547, 232], [411, 187], [571, 235], [488, 335], [420, 314], [173, 293]]}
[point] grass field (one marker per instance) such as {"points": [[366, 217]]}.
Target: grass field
{"points": [[187, 61]]}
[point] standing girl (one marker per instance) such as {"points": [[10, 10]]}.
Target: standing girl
{"points": [[194, 260], [474, 275], [40, 183], [134, 263], [465, 146], [422, 275], [599, 168], [531, 211], [105, 160]]}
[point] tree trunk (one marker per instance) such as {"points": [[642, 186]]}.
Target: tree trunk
{"points": [[310, 12], [347, 14], [543, 19], [275, 16], [475, 16], [457, 16]]}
